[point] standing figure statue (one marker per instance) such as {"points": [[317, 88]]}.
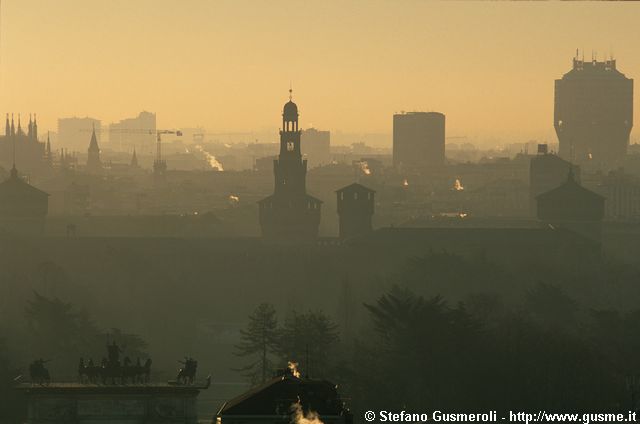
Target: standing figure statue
{"points": [[114, 352], [187, 374], [38, 373]]}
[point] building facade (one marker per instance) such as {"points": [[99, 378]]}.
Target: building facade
{"points": [[290, 214], [418, 141], [72, 132], [139, 132], [593, 114], [316, 147]]}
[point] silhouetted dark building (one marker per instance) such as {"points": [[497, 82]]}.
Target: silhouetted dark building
{"points": [[622, 193], [573, 207], [355, 208], [276, 401], [23, 208], [593, 113], [94, 164], [22, 147], [316, 146], [418, 140], [546, 172], [290, 214]]}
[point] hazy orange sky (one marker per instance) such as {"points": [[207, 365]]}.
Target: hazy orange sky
{"points": [[226, 65]]}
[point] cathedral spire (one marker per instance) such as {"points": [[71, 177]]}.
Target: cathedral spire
{"points": [[49, 157], [7, 131], [35, 127], [13, 127], [30, 128], [19, 126]]}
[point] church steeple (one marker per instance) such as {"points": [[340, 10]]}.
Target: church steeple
{"points": [[13, 127], [93, 159], [7, 131], [30, 128], [134, 158]]}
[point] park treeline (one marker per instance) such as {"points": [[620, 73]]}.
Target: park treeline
{"points": [[441, 332], [557, 344]]}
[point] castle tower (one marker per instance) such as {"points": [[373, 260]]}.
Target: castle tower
{"points": [[290, 214], [94, 164], [355, 209]]}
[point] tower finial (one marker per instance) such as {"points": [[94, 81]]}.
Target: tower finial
{"points": [[290, 92]]}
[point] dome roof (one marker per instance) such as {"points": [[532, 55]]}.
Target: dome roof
{"points": [[290, 111]]}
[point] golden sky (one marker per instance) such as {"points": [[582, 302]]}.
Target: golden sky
{"points": [[227, 65]]}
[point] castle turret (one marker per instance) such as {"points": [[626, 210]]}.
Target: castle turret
{"points": [[355, 209]]}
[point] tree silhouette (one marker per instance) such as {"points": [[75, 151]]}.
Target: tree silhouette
{"points": [[309, 338], [259, 340]]}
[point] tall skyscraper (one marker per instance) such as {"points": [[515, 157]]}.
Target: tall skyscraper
{"points": [[290, 214], [593, 114], [316, 147], [418, 141]]}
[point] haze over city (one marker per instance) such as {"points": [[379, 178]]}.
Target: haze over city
{"points": [[319, 212], [227, 65]]}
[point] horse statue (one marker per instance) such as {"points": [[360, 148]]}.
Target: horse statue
{"points": [[187, 374], [38, 373]]}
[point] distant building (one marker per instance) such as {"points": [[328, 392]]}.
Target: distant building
{"points": [[279, 400], [593, 114], [418, 141], [72, 132], [290, 214], [23, 208], [316, 146], [572, 207], [20, 146], [622, 192], [355, 208], [546, 172], [94, 164], [139, 132]]}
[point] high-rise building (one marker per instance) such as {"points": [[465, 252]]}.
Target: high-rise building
{"points": [[138, 132], [593, 114], [418, 141], [72, 132], [316, 147], [290, 214]]}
